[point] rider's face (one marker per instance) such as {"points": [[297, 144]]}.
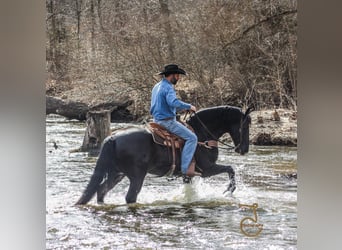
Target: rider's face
{"points": [[174, 78]]}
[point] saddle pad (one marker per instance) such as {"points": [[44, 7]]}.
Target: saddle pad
{"points": [[163, 137]]}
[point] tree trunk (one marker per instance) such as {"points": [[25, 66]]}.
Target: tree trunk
{"points": [[98, 128], [51, 32], [78, 15], [165, 11], [92, 13]]}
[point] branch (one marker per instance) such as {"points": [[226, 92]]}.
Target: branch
{"points": [[258, 24]]}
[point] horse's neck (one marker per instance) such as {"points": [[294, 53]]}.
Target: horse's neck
{"points": [[209, 128]]}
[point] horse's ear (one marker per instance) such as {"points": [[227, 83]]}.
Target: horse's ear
{"points": [[249, 110]]}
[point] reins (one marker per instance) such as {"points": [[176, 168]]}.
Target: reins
{"points": [[228, 147]]}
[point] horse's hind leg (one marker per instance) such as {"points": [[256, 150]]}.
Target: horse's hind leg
{"points": [[106, 186], [218, 169], [134, 188]]}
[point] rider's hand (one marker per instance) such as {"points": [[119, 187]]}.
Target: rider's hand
{"points": [[193, 108]]}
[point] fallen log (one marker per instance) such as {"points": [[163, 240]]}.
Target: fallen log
{"points": [[78, 110], [67, 108]]}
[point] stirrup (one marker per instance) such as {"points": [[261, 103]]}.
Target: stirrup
{"points": [[186, 179]]}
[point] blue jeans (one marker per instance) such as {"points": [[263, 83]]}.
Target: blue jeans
{"points": [[190, 138]]}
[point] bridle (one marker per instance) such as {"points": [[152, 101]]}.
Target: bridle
{"points": [[228, 147]]}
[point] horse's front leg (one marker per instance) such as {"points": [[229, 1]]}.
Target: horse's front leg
{"points": [[218, 169]]}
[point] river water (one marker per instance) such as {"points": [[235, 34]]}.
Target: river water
{"points": [[170, 214]]}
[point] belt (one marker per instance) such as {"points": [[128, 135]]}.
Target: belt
{"points": [[167, 119]]}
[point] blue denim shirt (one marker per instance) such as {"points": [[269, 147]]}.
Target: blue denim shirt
{"points": [[164, 102]]}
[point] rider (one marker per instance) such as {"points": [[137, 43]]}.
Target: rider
{"points": [[163, 109]]}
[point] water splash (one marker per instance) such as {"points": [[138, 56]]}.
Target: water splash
{"points": [[199, 191]]}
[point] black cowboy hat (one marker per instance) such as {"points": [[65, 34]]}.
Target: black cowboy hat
{"points": [[172, 69]]}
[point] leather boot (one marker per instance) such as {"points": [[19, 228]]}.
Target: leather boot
{"points": [[191, 170]]}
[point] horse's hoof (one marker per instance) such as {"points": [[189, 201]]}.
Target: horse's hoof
{"points": [[231, 189]]}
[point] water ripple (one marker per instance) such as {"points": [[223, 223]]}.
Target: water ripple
{"points": [[169, 215]]}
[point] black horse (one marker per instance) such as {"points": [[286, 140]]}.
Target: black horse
{"points": [[133, 153]]}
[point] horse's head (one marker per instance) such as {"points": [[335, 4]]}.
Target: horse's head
{"points": [[239, 131]]}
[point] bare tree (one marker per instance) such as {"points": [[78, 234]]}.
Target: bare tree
{"points": [[243, 50]]}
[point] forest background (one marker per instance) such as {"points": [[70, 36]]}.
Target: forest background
{"points": [[235, 52]]}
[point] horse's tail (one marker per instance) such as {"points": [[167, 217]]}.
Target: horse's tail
{"points": [[103, 165]]}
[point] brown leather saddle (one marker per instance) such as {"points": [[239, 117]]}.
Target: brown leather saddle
{"points": [[163, 137]]}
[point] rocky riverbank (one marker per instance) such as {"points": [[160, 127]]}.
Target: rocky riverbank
{"points": [[274, 127], [269, 127]]}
